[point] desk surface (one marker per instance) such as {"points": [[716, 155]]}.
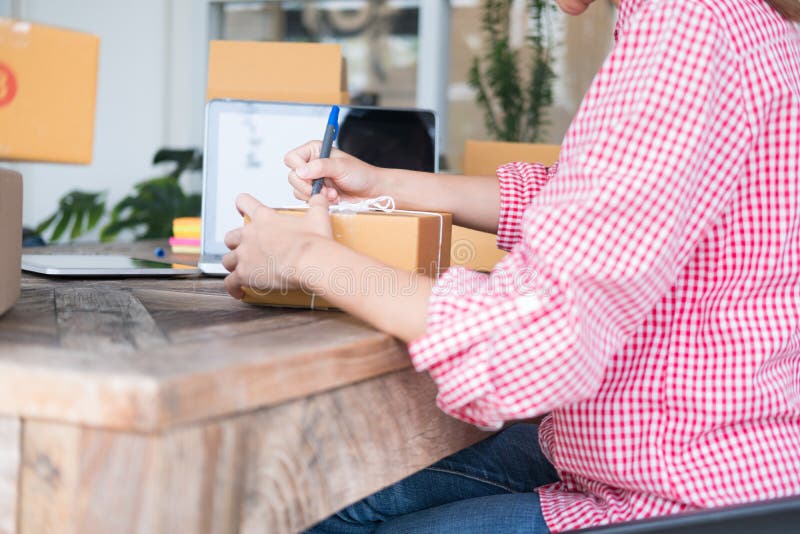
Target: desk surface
{"points": [[119, 396], [145, 353]]}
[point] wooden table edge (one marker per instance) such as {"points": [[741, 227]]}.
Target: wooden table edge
{"points": [[137, 402]]}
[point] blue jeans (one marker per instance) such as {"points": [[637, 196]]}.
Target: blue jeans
{"points": [[485, 488]]}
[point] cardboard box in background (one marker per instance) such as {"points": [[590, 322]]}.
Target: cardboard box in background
{"points": [[10, 237], [478, 250], [284, 72], [48, 85], [407, 241]]}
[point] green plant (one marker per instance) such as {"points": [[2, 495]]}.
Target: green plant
{"points": [[80, 209], [148, 212], [156, 201], [514, 103]]}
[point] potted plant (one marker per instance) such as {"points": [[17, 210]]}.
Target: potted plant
{"points": [[514, 86], [148, 212]]}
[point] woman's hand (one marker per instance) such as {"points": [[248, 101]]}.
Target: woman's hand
{"points": [[265, 254], [346, 177], [281, 251]]}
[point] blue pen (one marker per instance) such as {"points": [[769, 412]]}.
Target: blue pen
{"points": [[331, 129]]}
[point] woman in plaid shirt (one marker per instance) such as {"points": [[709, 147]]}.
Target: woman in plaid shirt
{"points": [[661, 331]]}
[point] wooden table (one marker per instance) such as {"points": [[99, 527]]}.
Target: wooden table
{"points": [[165, 406]]}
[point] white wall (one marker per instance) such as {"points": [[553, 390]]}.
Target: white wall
{"points": [[148, 94], [5, 8]]}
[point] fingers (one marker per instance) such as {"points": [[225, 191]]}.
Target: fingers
{"points": [[332, 168], [232, 283], [332, 194], [248, 205], [302, 188], [318, 203], [303, 154], [229, 261], [233, 286], [318, 216], [233, 238]]}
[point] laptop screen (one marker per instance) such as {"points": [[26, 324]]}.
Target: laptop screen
{"points": [[246, 142]]}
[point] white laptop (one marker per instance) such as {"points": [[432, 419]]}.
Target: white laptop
{"points": [[246, 142]]}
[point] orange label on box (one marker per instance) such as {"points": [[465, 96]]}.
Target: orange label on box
{"points": [[8, 85]]}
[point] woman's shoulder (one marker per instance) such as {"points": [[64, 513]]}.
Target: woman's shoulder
{"points": [[743, 25]]}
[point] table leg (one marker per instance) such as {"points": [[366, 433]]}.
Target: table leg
{"points": [[9, 473]]}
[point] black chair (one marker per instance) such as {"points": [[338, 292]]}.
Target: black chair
{"points": [[779, 516]]}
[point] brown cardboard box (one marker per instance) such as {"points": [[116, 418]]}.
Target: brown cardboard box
{"points": [[408, 241], [10, 237], [48, 80], [285, 72], [478, 250]]}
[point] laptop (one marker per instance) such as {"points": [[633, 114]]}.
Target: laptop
{"points": [[246, 141]]}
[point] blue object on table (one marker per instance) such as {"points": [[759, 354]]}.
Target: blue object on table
{"points": [[331, 129], [159, 252], [31, 239]]}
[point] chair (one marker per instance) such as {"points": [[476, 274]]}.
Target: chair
{"points": [[778, 516]]}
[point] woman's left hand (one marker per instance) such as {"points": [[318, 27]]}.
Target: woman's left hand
{"points": [[264, 254]]}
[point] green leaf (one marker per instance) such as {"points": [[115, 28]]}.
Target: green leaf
{"points": [[46, 223], [192, 205], [77, 226], [74, 208], [110, 231], [183, 159], [66, 215], [95, 213]]}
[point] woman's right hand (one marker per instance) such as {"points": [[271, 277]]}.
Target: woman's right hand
{"points": [[346, 177]]}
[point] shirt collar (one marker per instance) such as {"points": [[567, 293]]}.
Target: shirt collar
{"points": [[626, 10]]}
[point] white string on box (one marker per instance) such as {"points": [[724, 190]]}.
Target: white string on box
{"points": [[383, 203]]}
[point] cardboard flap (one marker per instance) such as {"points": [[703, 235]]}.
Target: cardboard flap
{"points": [[289, 72]]}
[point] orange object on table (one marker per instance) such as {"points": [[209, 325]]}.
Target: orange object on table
{"points": [[411, 241]]}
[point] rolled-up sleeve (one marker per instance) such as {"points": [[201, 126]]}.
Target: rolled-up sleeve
{"points": [[594, 250], [519, 184]]}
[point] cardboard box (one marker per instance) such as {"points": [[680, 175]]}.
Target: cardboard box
{"points": [[10, 237], [482, 158], [48, 84], [417, 242], [478, 250], [284, 72]]}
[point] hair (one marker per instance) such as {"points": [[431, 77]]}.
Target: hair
{"points": [[790, 9]]}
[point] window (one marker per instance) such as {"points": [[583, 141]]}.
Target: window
{"points": [[378, 38]]}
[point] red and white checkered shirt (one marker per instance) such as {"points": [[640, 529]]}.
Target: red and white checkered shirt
{"points": [[651, 299]]}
